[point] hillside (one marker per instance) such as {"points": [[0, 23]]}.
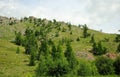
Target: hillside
{"points": [[14, 65]]}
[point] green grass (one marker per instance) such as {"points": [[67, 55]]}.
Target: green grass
{"points": [[16, 65], [12, 64]]}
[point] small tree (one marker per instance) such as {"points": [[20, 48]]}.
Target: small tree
{"points": [[117, 65], [98, 49], [32, 57], [78, 39], [18, 38], [18, 50], [117, 38], [118, 48], [104, 65], [92, 39], [85, 29]]}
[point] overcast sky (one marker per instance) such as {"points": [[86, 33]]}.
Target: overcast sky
{"points": [[97, 14]]}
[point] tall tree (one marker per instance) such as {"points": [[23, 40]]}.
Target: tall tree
{"points": [[85, 29], [69, 54]]}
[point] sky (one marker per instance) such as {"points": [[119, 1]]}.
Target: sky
{"points": [[97, 14]]}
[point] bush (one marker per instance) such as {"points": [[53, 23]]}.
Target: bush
{"points": [[98, 49], [78, 39], [118, 48], [117, 65], [18, 50], [104, 65], [87, 69]]}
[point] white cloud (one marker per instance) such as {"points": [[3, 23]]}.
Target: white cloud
{"points": [[91, 12]]}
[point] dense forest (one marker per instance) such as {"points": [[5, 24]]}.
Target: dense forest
{"points": [[57, 49]]}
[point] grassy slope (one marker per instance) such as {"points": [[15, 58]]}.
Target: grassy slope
{"points": [[12, 64]]}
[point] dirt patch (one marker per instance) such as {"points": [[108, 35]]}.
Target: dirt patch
{"points": [[112, 55], [85, 55]]}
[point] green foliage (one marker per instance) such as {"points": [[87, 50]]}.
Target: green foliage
{"points": [[70, 56], [87, 69], [18, 38], [42, 68], [53, 65], [92, 39], [118, 48], [57, 34], [117, 38], [18, 50], [30, 41], [117, 65], [85, 29], [54, 51], [69, 26], [71, 33], [98, 49], [104, 65], [78, 39], [64, 29], [32, 56]]}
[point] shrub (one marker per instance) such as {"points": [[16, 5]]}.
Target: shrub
{"points": [[98, 49], [18, 50], [104, 65], [87, 69], [117, 65], [78, 39], [118, 48]]}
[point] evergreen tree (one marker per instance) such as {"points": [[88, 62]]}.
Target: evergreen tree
{"points": [[54, 50], [32, 57], [92, 39], [18, 50], [118, 48], [60, 63], [18, 38], [98, 49], [70, 56], [85, 29], [30, 41]]}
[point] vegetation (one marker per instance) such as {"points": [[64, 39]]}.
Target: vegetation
{"points": [[54, 48], [104, 65], [117, 65], [98, 49]]}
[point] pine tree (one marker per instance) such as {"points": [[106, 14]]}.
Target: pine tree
{"points": [[32, 57], [18, 50], [54, 50], [98, 49], [92, 39], [30, 41], [18, 38], [85, 28], [70, 56]]}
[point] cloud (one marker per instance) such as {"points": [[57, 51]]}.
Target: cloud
{"points": [[12, 8], [92, 12]]}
